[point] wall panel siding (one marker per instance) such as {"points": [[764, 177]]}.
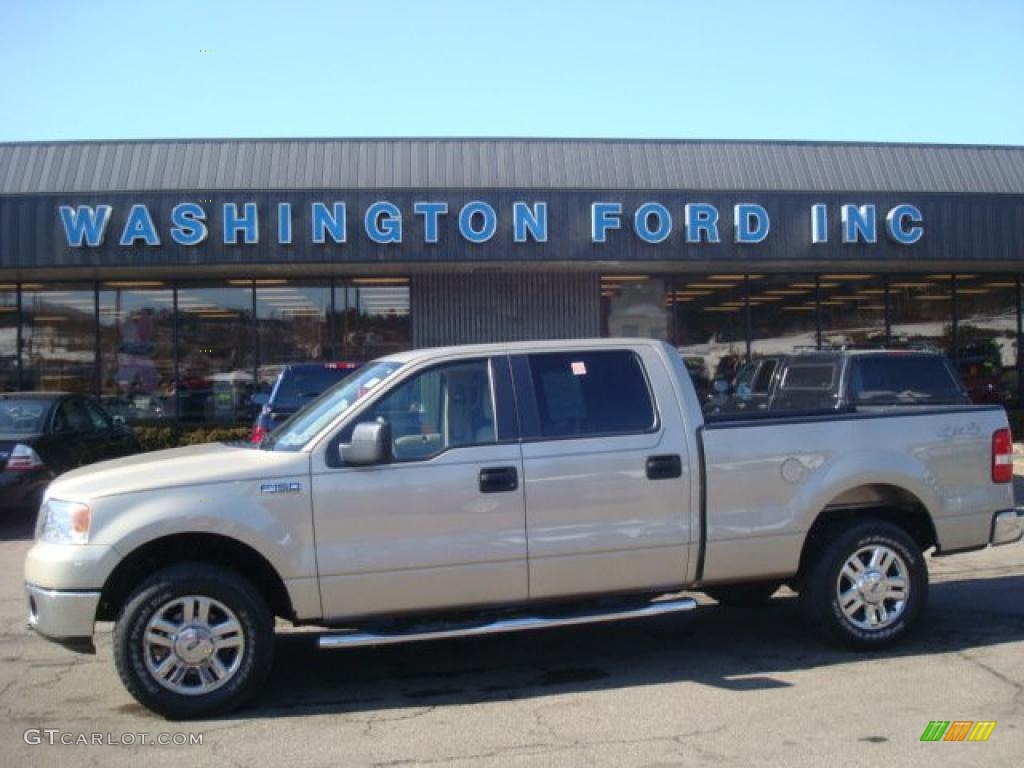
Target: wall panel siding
{"points": [[479, 308]]}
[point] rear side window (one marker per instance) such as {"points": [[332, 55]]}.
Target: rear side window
{"points": [[591, 393], [815, 377], [903, 378]]}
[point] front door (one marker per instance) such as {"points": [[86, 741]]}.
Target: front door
{"points": [[606, 476], [443, 524]]}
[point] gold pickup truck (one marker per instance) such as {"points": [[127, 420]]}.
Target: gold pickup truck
{"points": [[479, 489]]}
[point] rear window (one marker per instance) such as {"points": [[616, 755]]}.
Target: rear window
{"points": [[904, 378], [295, 388], [815, 377], [591, 393], [24, 416]]}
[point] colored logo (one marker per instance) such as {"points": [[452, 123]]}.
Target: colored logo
{"points": [[958, 730]]}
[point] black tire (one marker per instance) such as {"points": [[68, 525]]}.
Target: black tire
{"points": [[821, 586], [220, 584], [743, 595]]}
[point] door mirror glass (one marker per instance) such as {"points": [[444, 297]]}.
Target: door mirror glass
{"points": [[259, 399], [370, 444], [721, 386]]}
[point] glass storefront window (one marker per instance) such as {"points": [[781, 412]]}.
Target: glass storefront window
{"points": [[783, 314], [58, 337], [986, 350], [137, 349], [8, 337], [215, 352], [709, 325], [852, 310], [921, 312], [292, 319], [634, 306], [372, 317]]}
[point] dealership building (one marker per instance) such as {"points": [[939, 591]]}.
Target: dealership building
{"points": [[174, 278]]}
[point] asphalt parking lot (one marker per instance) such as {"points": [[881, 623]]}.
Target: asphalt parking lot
{"points": [[717, 687]]}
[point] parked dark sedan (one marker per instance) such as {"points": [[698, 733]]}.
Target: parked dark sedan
{"points": [[43, 434]]}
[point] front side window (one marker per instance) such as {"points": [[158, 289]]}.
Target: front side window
{"points": [[591, 393], [448, 406]]}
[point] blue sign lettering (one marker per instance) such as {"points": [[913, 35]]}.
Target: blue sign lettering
{"points": [[431, 213], [384, 223], [750, 223], [188, 224], [139, 226], [326, 222], [247, 223], [85, 224], [488, 222], [859, 224], [604, 217], [904, 224], [701, 220], [642, 222], [532, 222]]}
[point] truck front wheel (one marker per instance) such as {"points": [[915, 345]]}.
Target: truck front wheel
{"points": [[868, 587], [194, 640]]}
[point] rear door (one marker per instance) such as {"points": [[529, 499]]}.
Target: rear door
{"points": [[605, 472]]}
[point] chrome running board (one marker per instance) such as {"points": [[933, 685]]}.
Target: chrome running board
{"points": [[518, 624]]}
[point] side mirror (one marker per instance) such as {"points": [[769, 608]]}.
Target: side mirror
{"points": [[259, 399], [721, 386], [118, 420], [371, 444]]}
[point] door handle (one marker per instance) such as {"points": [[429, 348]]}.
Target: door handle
{"points": [[664, 467], [498, 479]]}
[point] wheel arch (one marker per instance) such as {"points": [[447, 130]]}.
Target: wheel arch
{"points": [[887, 502], [193, 547]]}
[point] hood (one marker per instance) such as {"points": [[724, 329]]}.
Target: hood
{"points": [[192, 465]]}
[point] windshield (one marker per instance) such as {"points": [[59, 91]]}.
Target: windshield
{"points": [[307, 423], [24, 416], [902, 379]]}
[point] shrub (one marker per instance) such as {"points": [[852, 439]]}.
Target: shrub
{"points": [[156, 438]]}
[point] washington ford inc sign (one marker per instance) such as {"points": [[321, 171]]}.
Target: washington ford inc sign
{"points": [[384, 223]]}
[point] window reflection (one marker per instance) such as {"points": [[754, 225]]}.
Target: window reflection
{"points": [[59, 337], [8, 337], [634, 306], [215, 360], [986, 355], [137, 349], [292, 317], [852, 310], [372, 317], [783, 314], [710, 327], [921, 312]]}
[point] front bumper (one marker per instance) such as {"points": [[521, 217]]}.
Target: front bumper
{"points": [[1007, 526], [64, 617]]}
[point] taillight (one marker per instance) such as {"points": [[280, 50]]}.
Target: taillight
{"points": [[1002, 456], [258, 433], [23, 458]]}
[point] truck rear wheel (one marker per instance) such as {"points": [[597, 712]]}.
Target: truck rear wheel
{"points": [[868, 587], [194, 640]]}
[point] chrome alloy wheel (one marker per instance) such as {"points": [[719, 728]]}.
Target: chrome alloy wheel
{"points": [[873, 587], [193, 645]]}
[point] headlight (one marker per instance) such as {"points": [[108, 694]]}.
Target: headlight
{"points": [[64, 522]]}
